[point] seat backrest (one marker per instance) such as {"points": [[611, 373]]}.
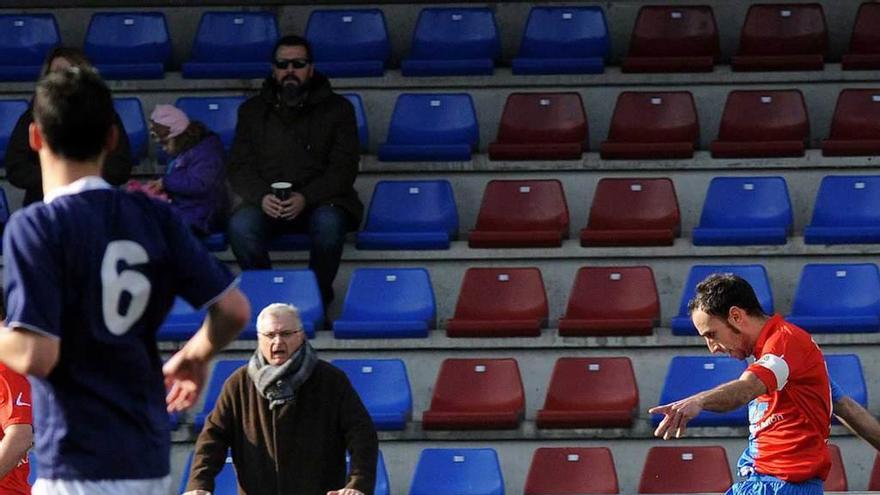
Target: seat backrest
{"points": [[675, 31], [874, 482], [222, 370], [523, 205], [129, 37], [846, 371], [779, 115], [26, 39], [360, 117], [614, 292], [565, 32], [636, 203], [459, 471], [226, 482], [339, 35], [836, 480], [601, 384], [686, 470], [865, 35], [852, 200], [502, 294], [838, 290], [747, 202], [646, 117], [571, 470], [689, 375], [10, 111], [543, 118], [131, 113], [380, 383], [478, 385], [218, 113], [235, 37], [434, 119], [456, 33], [784, 29], [296, 287], [755, 275], [413, 206], [382, 294], [857, 115]]}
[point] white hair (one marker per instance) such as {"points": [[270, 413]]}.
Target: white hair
{"points": [[278, 310]]}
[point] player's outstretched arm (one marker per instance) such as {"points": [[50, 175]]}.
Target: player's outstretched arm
{"points": [[858, 420], [186, 371], [27, 352], [725, 397], [17, 440]]}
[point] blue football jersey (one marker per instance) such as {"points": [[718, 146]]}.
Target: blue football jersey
{"points": [[99, 269]]}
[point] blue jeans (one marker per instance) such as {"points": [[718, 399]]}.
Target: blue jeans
{"points": [[762, 484], [250, 231]]}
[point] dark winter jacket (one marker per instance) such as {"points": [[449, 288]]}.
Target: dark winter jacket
{"points": [[23, 164], [314, 146], [196, 184], [297, 448]]}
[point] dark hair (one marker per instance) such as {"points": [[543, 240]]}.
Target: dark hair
{"points": [[74, 111], [292, 40], [75, 56], [194, 134], [718, 292]]}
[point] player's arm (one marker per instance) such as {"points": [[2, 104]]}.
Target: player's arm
{"points": [[27, 352], [17, 439], [858, 420], [725, 397]]}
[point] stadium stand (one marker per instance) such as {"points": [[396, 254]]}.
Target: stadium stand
{"points": [[382, 484], [131, 113], [633, 212], [521, 213], [453, 41], [764, 124], [614, 300], [855, 128], [360, 116], [745, 211], [652, 126], [864, 45], [232, 45], [846, 371], [692, 374], [10, 111], [837, 298], [461, 471], [383, 386], [782, 37], [296, 287], [874, 482], [673, 39], [129, 45], [846, 211], [836, 481], [541, 126], [218, 113], [431, 127], [563, 470], [349, 43], [692, 469], [563, 40], [25, 40], [222, 370], [182, 322], [226, 483]]}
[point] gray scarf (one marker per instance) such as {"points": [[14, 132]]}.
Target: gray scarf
{"points": [[278, 384]]}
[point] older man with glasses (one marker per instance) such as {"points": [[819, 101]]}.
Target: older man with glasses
{"points": [[289, 419]]}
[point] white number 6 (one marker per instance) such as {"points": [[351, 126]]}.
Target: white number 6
{"points": [[116, 283]]}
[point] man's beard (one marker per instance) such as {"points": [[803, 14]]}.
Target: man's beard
{"points": [[293, 91]]}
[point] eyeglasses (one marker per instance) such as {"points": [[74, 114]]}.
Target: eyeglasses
{"points": [[285, 334], [297, 63], [159, 139]]}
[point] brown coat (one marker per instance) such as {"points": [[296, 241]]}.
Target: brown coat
{"points": [[297, 449]]}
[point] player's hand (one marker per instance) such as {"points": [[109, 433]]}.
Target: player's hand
{"points": [[293, 206], [184, 378], [676, 417], [271, 206], [346, 491]]}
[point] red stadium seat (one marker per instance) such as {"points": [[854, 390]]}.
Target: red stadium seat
{"points": [[568, 470], [782, 37], [613, 300], [541, 126], [836, 481], [673, 39], [864, 45], [590, 393], [762, 124], [686, 470], [633, 212], [649, 125], [476, 394], [521, 213], [500, 302], [855, 128], [874, 482]]}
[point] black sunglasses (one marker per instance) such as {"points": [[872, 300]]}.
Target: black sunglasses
{"points": [[298, 63]]}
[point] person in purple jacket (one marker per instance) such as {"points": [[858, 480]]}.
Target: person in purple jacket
{"points": [[195, 182]]}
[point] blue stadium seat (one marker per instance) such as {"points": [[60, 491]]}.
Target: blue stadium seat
{"points": [[453, 41], [132, 115], [361, 118], [129, 45], [226, 483], [387, 303], [25, 40], [384, 389], [222, 369], [10, 111], [182, 322], [458, 471], [755, 275], [296, 287], [689, 375], [382, 486], [846, 211], [431, 127], [410, 215], [349, 43], [837, 298], [846, 370], [218, 113], [745, 211], [232, 45], [563, 40]]}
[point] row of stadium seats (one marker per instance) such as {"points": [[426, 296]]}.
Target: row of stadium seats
{"points": [[386, 303], [447, 41], [488, 394]]}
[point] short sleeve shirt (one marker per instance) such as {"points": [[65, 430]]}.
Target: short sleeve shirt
{"points": [[15, 409]]}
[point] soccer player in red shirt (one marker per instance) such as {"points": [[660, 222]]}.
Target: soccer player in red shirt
{"points": [[787, 389], [17, 435]]}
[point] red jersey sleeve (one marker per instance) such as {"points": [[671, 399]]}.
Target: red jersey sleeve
{"points": [[16, 404]]}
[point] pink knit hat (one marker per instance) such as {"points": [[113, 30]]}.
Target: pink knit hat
{"points": [[171, 117]]}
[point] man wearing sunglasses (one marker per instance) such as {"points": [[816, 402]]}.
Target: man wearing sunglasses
{"points": [[293, 163]]}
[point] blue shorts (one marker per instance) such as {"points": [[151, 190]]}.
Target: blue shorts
{"points": [[763, 484]]}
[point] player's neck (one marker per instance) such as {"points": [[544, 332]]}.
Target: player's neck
{"points": [[59, 172]]}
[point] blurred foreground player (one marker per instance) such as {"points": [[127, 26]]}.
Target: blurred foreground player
{"points": [[90, 274]]}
